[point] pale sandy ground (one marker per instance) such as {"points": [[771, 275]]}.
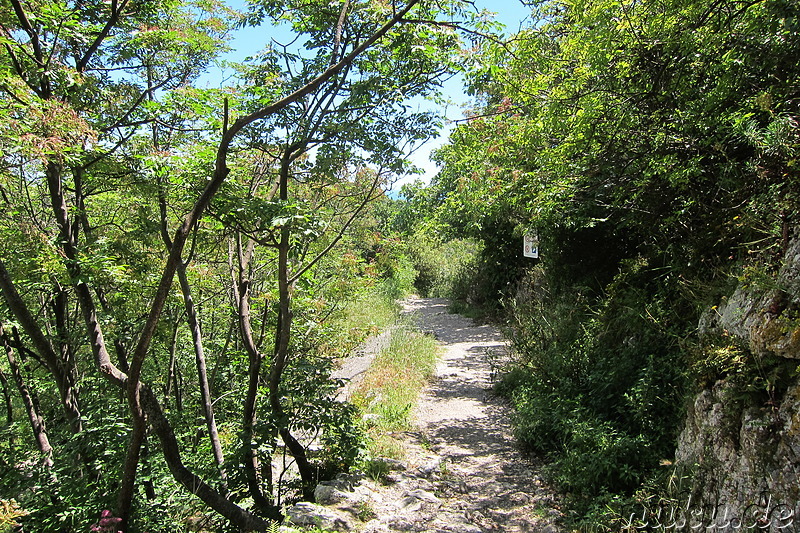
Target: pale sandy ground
{"points": [[463, 472]]}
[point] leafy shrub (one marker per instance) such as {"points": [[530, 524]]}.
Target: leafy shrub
{"points": [[343, 440], [9, 512], [440, 264], [395, 271], [598, 384], [599, 458]]}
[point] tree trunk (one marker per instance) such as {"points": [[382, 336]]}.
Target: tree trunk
{"points": [[169, 444], [282, 337], [31, 408], [149, 487], [307, 472], [222, 357], [61, 374], [9, 417], [128, 479], [241, 291], [7, 396], [163, 430], [202, 376], [68, 374], [173, 349]]}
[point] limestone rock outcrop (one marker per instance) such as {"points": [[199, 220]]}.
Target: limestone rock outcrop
{"points": [[740, 450]]}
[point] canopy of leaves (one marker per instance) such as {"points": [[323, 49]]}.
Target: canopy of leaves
{"points": [[120, 171]]}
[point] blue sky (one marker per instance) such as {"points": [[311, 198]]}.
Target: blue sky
{"points": [[511, 13]]}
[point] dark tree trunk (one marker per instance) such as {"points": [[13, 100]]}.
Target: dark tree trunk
{"points": [[149, 487], [250, 459], [9, 418], [173, 350], [308, 475], [31, 405], [283, 334], [63, 376], [7, 396]]}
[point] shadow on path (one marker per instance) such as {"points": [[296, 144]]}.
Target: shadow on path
{"points": [[469, 430]]}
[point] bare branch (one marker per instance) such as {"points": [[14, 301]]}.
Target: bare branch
{"points": [[339, 27], [116, 11], [26, 25]]}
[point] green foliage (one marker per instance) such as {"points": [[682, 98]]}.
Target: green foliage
{"points": [[599, 387], [652, 146], [10, 511], [376, 469], [440, 265], [343, 440], [61, 505], [108, 142]]}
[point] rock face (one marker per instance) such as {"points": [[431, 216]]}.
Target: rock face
{"points": [[309, 514], [765, 317], [740, 449], [744, 462]]}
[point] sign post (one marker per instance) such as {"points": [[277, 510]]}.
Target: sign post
{"points": [[530, 245]]}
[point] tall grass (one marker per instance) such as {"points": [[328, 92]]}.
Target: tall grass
{"points": [[372, 310], [392, 385], [368, 314]]}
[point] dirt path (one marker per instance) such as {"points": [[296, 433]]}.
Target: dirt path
{"points": [[462, 472]]}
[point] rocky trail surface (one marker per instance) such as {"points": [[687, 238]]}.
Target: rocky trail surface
{"points": [[462, 472]]}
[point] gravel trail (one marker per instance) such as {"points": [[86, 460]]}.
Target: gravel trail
{"points": [[462, 472]]}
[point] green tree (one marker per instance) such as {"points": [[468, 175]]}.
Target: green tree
{"points": [[110, 154]]}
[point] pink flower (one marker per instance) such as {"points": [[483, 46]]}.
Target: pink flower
{"points": [[107, 523]]}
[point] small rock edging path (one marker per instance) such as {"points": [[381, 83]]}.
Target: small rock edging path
{"points": [[462, 472]]}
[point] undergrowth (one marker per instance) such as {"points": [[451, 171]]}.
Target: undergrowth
{"points": [[598, 387], [391, 387]]}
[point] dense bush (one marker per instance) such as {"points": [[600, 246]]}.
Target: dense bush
{"points": [[439, 265], [598, 384]]}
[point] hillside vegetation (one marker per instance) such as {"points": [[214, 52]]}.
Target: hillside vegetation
{"points": [[181, 267], [653, 149]]}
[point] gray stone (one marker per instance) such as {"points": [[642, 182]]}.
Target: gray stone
{"points": [[429, 468], [327, 493], [309, 514], [414, 500], [394, 465], [393, 478], [755, 313], [745, 457], [520, 498]]}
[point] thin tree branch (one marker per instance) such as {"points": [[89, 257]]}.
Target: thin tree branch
{"points": [[116, 11], [338, 237], [339, 27]]}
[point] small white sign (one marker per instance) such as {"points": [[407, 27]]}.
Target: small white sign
{"points": [[530, 245]]}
